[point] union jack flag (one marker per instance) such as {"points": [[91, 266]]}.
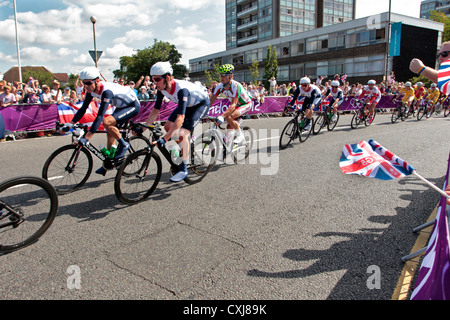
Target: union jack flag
{"points": [[372, 160], [344, 77], [444, 77], [67, 110]]}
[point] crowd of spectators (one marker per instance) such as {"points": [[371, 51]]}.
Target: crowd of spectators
{"points": [[145, 89]]}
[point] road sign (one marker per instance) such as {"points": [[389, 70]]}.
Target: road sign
{"points": [[92, 53]]}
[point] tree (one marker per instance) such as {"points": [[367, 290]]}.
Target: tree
{"points": [[44, 77], [254, 68], [212, 74], [139, 64], [271, 65], [442, 18]]}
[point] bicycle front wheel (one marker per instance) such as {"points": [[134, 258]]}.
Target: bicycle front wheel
{"points": [[137, 143], [356, 120], [242, 150], [68, 168], [203, 158], [288, 134], [319, 123], [28, 206], [421, 113], [332, 124], [395, 115], [138, 177]]}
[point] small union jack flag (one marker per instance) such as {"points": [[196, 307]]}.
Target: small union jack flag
{"points": [[66, 112], [444, 77], [372, 160]]}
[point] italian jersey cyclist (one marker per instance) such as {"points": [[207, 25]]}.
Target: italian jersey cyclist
{"points": [[240, 99]]}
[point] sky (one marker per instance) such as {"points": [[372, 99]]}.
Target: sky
{"points": [[58, 34]]}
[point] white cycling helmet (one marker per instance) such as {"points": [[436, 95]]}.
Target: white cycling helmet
{"points": [[161, 68], [335, 83], [89, 73], [433, 85], [419, 84], [408, 84], [305, 80], [372, 82]]}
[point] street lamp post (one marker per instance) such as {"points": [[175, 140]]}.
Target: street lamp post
{"points": [[388, 47], [94, 20], [17, 42]]}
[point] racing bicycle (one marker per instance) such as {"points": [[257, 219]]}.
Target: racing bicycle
{"points": [[69, 167], [141, 171], [424, 109], [28, 206], [399, 113], [238, 151], [361, 115], [324, 119], [295, 128]]}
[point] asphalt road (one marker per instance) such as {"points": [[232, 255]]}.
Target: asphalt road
{"points": [[287, 226]]}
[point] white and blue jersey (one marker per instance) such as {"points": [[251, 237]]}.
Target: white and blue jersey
{"points": [[121, 97], [312, 96]]}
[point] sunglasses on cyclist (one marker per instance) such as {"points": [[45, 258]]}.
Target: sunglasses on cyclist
{"points": [[88, 83], [443, 54], [224, 75], [157, 79]]}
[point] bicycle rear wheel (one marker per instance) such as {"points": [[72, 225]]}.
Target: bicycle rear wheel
{"points": [[68, 168], [203, 158], [138, 177], [288, 134], [35, 201]]}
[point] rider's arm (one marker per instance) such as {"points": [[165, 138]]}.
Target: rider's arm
{"points": [[416, 66], [294, 98], [156, 108], [80, 113], [106, 98]]}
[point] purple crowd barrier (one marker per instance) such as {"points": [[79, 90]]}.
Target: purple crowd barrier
{"points": [[34, 117]]}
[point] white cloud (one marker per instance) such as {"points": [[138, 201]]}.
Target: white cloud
{"points": [[134, 35], [7, 58], [36, 54], [191, 5]]}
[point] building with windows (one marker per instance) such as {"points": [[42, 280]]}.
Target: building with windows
{"points": [[252, 21], [429, 5], [357, 48]]}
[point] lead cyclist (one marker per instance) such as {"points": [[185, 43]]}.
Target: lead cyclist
{"points": [[241, 102]]}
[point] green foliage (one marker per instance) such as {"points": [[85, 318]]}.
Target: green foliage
{"points": [[271, 65], [254, 68], [426, 82], [41, 75], [212, 74], [442, 18], [139, 64]]}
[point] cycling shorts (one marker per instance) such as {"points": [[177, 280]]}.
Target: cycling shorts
{"points": [[244, 108], [124, 114], [193, 115]]}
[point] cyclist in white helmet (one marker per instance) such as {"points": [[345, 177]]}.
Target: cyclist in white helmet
{"points": [[312, 96], [122, 98], [372, 95], [193, 105], [336, 97]]}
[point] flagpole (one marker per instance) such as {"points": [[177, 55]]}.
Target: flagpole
{"points": [[17, 42], [431, 185]]}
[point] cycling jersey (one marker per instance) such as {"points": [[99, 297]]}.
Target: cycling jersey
{"points": [[185, 93], [312, 96], [193, 102], [339, 94], [419, 93], [373, 94], [110, 94], [408, 93], [234, 90], [433, 95]]}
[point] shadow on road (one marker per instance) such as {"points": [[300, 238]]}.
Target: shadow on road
{"points": [[382, 247]]}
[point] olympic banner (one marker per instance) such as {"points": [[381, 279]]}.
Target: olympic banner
{"points": [[433, 280], [34, 117]]}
